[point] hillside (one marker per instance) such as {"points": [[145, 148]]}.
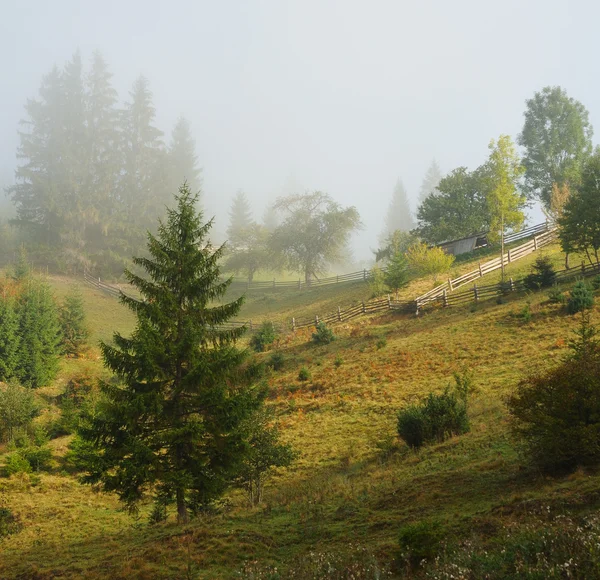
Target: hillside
{"points": [[354, 485]]}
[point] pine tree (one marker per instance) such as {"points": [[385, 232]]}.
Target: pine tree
{"points": [[75, 332], [9, 337], [175, 423], [39, 332], [430, 181], [183, 162], [398, 215], [240, 219]]}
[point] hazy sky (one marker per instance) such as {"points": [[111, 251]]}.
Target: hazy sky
{"points": [[341, 96]]}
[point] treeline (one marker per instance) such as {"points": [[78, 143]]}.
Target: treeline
{"points": [[94, 174]]}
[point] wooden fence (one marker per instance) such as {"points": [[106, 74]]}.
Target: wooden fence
{"points": [[512, 255]]}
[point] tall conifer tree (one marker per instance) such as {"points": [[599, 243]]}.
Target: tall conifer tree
{"points": [[398, 216], [240, 219], [174, 426], [183, 161], [430, 181]]}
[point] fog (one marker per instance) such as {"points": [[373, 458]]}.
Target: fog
{"points": [[343, 97]]}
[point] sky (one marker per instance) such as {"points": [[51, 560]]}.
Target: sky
{"points": [[339, 96]]}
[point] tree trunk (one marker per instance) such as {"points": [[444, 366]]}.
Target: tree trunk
{"points": [[182, 513], [308, 277], [502, 247]]}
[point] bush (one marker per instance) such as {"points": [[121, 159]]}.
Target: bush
{"points": [[323, 334], [16, 463], [277, 361], [420, 541], [581, 298], [596, 282], [264, 338], [557, 296], [437, 417], [381, 343], [338, 362], [303, 374], [542, 274], [557, 412], [37, 457]]}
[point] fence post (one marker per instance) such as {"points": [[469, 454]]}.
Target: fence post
{"points": [[512, 285], [445, 295], [450, 284], [250, 325], [339, 314], [417, 309], [480, 271], [582, 266], [293, 325], [508, 256], [363, 305], [389, 302], [535, 247], [365, 275], [475, 293]]}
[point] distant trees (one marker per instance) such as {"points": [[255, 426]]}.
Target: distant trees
{"points": [[314, 231], [251, 253], [398, 215], [74, 330], [456, 209], [92, 177], [426, 261], [557, 137], [176, 423], [580, 216], [240, 220], [430, 182]]}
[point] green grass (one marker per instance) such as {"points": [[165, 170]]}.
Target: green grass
{"points": [[354, 481]]}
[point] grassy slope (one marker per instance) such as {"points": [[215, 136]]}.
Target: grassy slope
{"points": [[352, 482]]}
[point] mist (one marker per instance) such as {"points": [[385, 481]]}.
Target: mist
{"points": [[285, 97]]}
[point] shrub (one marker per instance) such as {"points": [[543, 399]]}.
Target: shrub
{"points": [[264, 337], [277, 361], [596, 282], [38, 457], [9, 523], [381, 343], [420, 541], [17, 410], [542, 274], [581, 298], [303, 374], [438, 416], [16, 463], [377, 282], [338, 362], [557, 412], [323, 334]]}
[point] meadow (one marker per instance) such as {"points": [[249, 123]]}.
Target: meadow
{"points": [[355, 487]]}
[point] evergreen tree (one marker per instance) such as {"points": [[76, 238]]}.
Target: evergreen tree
{"points": [[430, 181], [183, 162], [75, 332], [398, 215], [39, 332], [175, 423], [9, 336], [103, 154], [240, 219]]}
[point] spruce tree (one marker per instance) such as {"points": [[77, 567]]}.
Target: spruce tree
{"points": [[240, 219], [183, 162], [74, 329], [398, 215], [174, 425], [430, 181], [39, 332], [9, 336]]}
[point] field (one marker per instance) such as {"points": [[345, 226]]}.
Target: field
{"points": [[355, 485]]}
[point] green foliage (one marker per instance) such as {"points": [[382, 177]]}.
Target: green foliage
{"points": [[557, 296], [581, 297], [381, 343], [397, 242], [264, 337], [16, 463], [456, 209], [396, 274], [338, 362], [39, 332], [17, 410], [438, 416], [314, 232], [377, 282], [21, 268], [580, 220], [542, 274], [557, 412], [265, 452], [250, 252], [9, 523], [426, 261], [9, 337], [173, 423], [430, 182], [75, 332], [277, 361], [303, 374], [240, 220], [421, 541], [37, 456], [323, 334], [557, 137], [596, 283], [398, 216]]}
